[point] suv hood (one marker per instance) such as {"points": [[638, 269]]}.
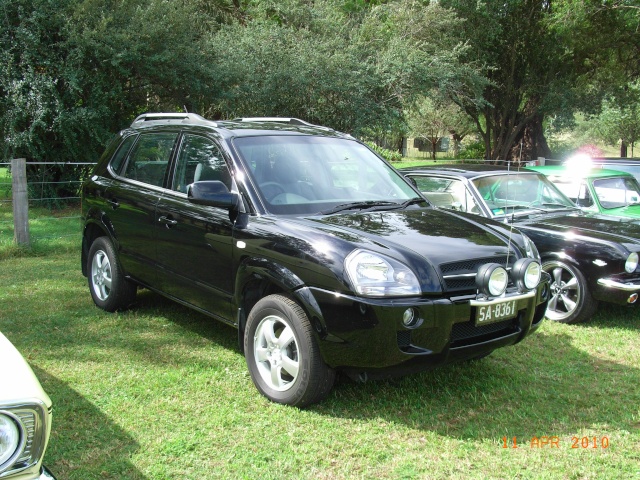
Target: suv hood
{"points": [[437, 236]]}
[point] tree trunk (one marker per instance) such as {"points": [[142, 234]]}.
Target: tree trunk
{"points": [[623, 149], [531, 142]]}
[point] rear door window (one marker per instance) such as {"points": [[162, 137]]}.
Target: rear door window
{"points": [[150, 157]]}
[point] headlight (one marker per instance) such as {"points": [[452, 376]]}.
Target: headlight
{"points": [[526, 272], [492, 279], [530, 248], [373, 275], [24, 430], [632, 263], [9, 438]]}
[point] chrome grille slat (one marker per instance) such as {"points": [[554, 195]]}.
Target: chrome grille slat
{"points": [[462, 275]]}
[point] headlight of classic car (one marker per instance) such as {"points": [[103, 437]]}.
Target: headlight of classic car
{"points": [[25, 417], [530, 248], [632, 263], [22, 436], [9, 437], [374, 275]]}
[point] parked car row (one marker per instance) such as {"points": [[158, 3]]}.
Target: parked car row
{"points": [[326, 259], [322, 256], [591, 257]]}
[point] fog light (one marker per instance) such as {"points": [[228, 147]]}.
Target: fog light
{"points": [[632, 298], [526, 273], [492, 279], [410, 318]]}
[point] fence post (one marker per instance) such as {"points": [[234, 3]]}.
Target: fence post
{"points": [[20, 201]]}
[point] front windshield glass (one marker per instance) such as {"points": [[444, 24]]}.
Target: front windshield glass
{"points": [[305, 174], [517, 193], [617, 192]]}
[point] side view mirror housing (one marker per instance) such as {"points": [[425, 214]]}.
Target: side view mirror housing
{"points": [[213, 193]]}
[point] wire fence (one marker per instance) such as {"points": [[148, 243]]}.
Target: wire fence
{"points": [[53, 203]]}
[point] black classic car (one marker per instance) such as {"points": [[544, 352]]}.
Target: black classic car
{"points": [[590, 258], [318, 252]]}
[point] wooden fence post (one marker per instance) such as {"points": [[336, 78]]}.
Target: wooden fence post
{"points": [[20, 201]]}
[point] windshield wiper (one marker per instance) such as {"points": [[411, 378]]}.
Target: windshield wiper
{"points": [[406, 203], [360, 206]]}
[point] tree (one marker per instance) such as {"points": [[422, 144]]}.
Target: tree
{"points": [[433, 120], [544, 61], [72, 72], [619, 120], [350, 66]]}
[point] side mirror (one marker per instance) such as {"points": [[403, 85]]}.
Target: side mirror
{"points": [[213, 193]]}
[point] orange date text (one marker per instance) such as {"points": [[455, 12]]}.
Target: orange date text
{"points": [[554, 441]]}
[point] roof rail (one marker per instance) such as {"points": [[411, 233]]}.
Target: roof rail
{"points": [[291, 121], [148, 117]]}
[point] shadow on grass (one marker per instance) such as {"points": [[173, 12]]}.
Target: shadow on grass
{"points": [[542, 386], [84, 442], [609, 315]]}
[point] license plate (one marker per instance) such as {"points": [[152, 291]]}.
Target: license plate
{"points": [[494, 313]]}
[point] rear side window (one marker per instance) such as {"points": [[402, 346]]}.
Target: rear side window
{"points": [[150, 157], [118, 159]]}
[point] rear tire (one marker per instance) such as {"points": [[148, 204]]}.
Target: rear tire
{"points": [[109, 288], [282, 353]]}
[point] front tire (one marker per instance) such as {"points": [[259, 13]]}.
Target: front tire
{"points": [[109, 288], [282, 353], [570, 300]]}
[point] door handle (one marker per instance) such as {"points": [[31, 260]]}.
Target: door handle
{"points": [[169, 222], [113, 202]]}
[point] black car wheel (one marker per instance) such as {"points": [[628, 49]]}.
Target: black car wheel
{"points": [[570, 300], [109, 288], [282, 353]]}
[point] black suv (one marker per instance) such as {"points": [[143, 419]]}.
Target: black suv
{"points": [[321, 255]]}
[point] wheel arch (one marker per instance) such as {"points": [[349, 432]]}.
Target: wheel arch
{"points": [[92, 230], [257, 278]]}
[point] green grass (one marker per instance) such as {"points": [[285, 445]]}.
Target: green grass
{"points": [[161, 392], [49, 230]]}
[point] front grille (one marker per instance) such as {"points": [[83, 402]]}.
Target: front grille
{"points": [[404, 338], [460, 276], [465, 331]]}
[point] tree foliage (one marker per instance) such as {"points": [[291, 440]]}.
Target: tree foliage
{"points": [[72, 72]]}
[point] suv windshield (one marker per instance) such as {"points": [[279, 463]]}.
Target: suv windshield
{"points": [[515, 193], [305, 174]]}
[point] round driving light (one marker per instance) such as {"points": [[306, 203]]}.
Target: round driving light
{"points": [[9, 438], [526, 273], [632, 263], [492, 279], [409, 318]]}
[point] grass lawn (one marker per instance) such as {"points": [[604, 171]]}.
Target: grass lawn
{"points": [[161, 392]]}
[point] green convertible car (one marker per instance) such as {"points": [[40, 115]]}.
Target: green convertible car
{"points": [[605, 192]]}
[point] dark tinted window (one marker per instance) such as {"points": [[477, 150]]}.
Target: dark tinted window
{"points": [[149, 159], [199, 159], [118, 159]]}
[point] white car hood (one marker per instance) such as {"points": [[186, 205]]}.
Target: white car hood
{"points": [[17, 380]]}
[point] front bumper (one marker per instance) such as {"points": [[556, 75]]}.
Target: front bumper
{"points": [[45, 474], [618, 291], [367, 335]]}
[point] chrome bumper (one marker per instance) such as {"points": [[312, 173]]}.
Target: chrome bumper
{"points": [[627, 287]]}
